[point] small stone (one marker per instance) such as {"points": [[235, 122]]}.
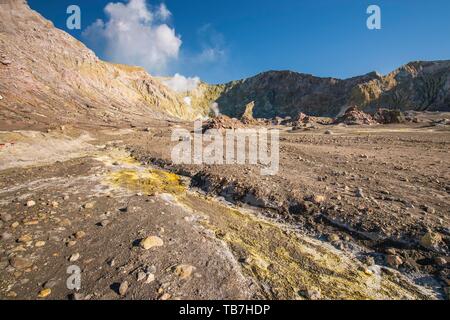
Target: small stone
{"points": [[15, 225], [44, 293], [71, 243], [370, 261], [25, 238], [31, 203], [6, 236], [31, 222], [39, 244], [20, 263], [55, 204], [328, 132], [150, 278], [311, 293], [150, 242], [165, 296], [11, 294], [360, 193], [141, 276], [6, 62], [431, 239], [184, 271], [333, 237], [74, 257], [89, 205], [111, 262], [5, 217], [394, 261], [50, 284], [76, 296], [368, 272], [318, 199], [390, 251], [429, 209], [104, 223], [79, 234], [440, 261], [123, 288]]}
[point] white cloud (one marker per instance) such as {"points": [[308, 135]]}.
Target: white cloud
{"points": [[134, 34], [163, 13], [212, 43], [179, 83]]}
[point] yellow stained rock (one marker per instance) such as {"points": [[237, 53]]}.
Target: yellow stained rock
{"points": [[39, 244], [44, 293], [25, 238], [151, 242]]}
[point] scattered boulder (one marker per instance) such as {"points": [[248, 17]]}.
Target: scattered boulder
{"points": [[310, 293], [39, 244], [30, 203], [333, 237], [6, 62], [89, 205], [247, 118], [354, 116], [25, 238], [360, 193], [431, 240], [20, 263], [222, 122], [79, 234], [386, 116], [150, 278], [184, 271], [5, 217], [277, 121], [44, 293], [123, 288], [317, 199], [74, 257], [151, 242], [394, 261]]}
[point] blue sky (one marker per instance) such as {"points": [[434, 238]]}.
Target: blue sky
{"points": [[223, 40]]}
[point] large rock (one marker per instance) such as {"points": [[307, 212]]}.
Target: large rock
{"points": [[431, 240], [386, 116], [151, 242], [222, 122], [247, 117], [354, 116]]}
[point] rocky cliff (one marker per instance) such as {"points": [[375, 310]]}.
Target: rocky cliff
{"points": [[415, 86], [47, 76]]}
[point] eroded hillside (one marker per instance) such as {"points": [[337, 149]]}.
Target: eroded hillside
{"points": [[48, 77], [416, 86]]}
